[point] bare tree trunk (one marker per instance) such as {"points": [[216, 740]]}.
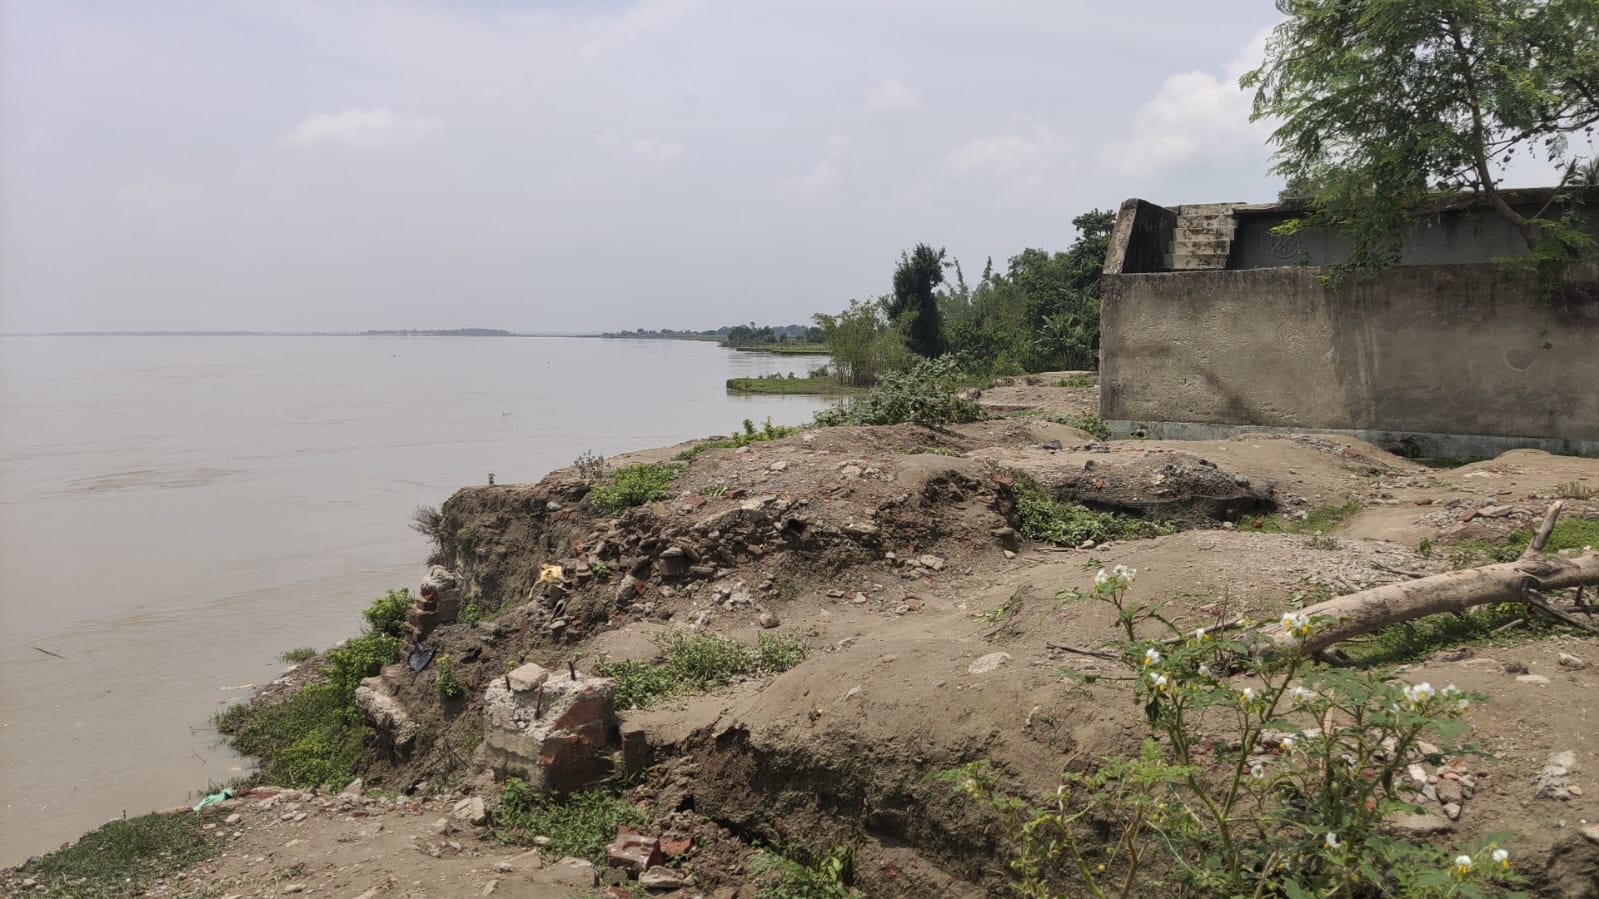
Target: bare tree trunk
{"points": [[1521, 581]]}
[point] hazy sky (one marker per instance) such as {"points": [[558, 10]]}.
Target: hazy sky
{"points": [[581, 164]]}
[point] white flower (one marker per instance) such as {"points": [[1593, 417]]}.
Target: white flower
{"points": [[1462, 704], [1152, 656], [1300, 694], [1158, 681], [1330, 840], [1501, 857], [1257, 770], [1296, 623], [1287, 744], [1204, 669], [1199, 635], [1462, 864], [1125, 573], [1418, 693], [1101, 578], [1246, 695]]}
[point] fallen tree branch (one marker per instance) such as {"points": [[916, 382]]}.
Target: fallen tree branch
{"points": [[1107, 656], [1521, 581]]}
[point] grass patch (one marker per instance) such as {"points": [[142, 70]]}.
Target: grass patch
{"points": [[751, 434], [1317, 521], [1091, 423], [1569, 533], [1077, 381], [298, 654], [1575, 490], [579, 824], [635, 485], [699, 663], [930, 450], [316, 736], [1414, 641], [787, 348], [814, 385], [1042, 518], [122, 857]]}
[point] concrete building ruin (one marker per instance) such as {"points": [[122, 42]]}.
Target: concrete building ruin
{"points": [[1213, 324]]}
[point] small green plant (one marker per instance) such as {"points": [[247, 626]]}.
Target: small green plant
{"points": [[1424, 548], [445, 683], [590, 466], [580, 824], [635, 485], [827, 876], [469, 615], [1320, 541], [466, 539], [1077, 381], [719, 488], [1288, 804], [1569, 533], [749, 435], [123, 857], [298, 654], [1317, 521], [931, 450]]}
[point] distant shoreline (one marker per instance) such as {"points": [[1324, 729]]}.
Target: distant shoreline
{"points": [[435, 332]]}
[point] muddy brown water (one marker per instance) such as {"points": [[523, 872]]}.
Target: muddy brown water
{"points": [[175, 512]]}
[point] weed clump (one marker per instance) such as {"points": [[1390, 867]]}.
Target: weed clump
{"points": [[635, 485], [827, 876], [927, 395], [699, 663], [751, 434], [578, 824], [298, 654], [1042, 518]]}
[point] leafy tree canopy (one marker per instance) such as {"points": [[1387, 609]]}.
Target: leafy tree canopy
{"points": [[1382, 101]]}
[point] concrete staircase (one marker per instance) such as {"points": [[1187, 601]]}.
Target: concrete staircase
{"points": [[1204, 237]]}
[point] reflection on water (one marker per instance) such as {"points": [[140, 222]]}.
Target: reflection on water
{"points": [[177, 511]]}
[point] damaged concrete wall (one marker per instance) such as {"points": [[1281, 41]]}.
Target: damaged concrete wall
{"points": [[1450, 359]]}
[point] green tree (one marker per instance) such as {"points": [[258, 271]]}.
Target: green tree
{"points": [[1382, 101], [913, 306], [863, 346]]}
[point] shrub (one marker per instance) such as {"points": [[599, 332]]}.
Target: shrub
{"points": [[1196, 815], [1091, 423], [926, 395], [590, 467], [1042, 518], [298, 654], [751, 434], [635, 485], [429, 522], [386, 615], [580, 824], [827, 877]]}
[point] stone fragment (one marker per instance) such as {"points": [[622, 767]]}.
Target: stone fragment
{"points": [[1590, 832], [1410, 826], [661, 878], [557, 737], [988, 663], [1531, 679], [1567, 660], [472, 811], [233, 819], [634, 851], [1452, 810], [441, 826], [573, 872], [931, 562], [768, 620]]}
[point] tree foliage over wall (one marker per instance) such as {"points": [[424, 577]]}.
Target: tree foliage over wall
{"points": [[1382, 102]]}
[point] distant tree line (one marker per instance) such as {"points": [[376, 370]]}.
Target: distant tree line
{"points": [[1040, 314], [732, 335]]}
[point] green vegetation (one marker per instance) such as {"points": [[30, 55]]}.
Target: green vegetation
{"points": [[815, 384], [315, 736], [927, 395], [865, 345], [913, 306], [1575, 490], [699, 663], [1077, 381], [387, 614], [123, 857], [298, 654], [791, 348], [590, 466], [751, 434], [429, 522], [1381, 102], [580, 824], [1091, 423], [635, 485], [1416, 641], [1318, 521], [920, 450], [1569, 533], [1191, 815], [1042, 518], [445, 684], [828, 876]]}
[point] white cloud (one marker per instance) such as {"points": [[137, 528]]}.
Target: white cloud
{"points": [[377, 127], [822, 178], [1194, 115], [1020, 163], [893, 96]]}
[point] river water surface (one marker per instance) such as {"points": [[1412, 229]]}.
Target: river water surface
{"points": [[175, 512]]}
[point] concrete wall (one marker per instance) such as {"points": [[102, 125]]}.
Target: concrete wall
{"points": [[1141, 239], [1433, 351]]}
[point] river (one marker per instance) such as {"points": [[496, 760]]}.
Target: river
{"points": [[175, 512]]}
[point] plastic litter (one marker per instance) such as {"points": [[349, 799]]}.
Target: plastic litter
{"points": [[214, 798]]}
